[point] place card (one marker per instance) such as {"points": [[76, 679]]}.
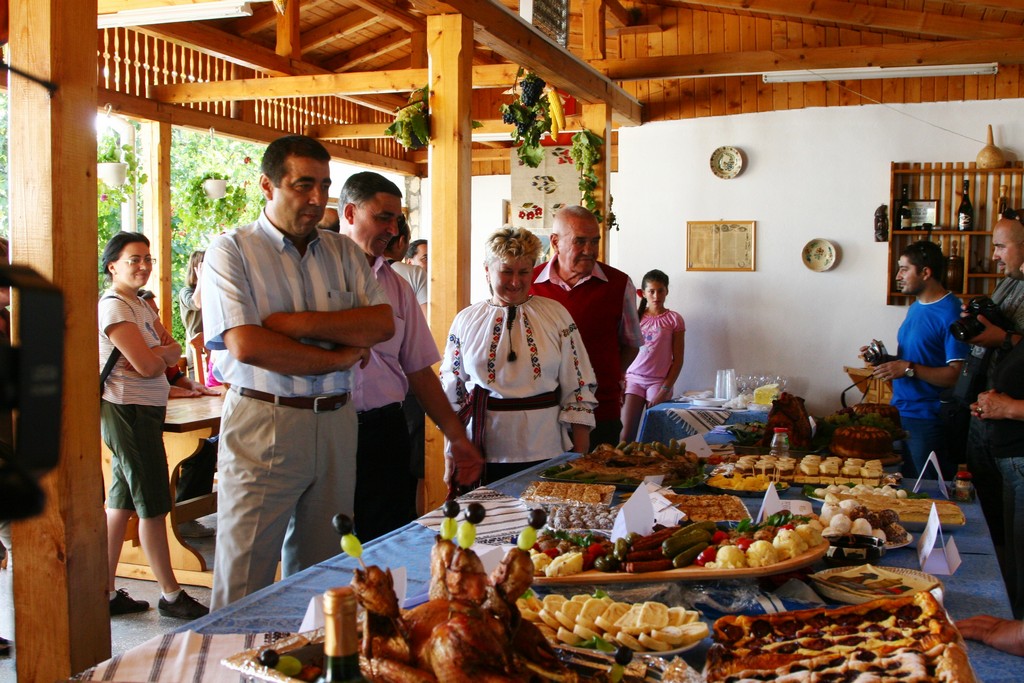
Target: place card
{"points": [[665, 513], [772, 504], [314, 617], [932, 555], [933, 462], [635, 515], [698, 445]]}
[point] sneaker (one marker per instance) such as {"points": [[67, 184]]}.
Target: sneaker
{"points": [[185, 607], [122, 603], [194, 529]]}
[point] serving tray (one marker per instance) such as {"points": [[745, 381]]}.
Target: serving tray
{"points": [[691, 573]]}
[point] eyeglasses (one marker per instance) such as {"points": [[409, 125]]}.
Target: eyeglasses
{"points": [[136, 261]]}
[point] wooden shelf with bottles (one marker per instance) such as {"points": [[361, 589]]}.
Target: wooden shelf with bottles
{"points": [[942, 183]]}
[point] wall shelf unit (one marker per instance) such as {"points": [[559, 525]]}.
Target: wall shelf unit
{"points": [[942, 182]]}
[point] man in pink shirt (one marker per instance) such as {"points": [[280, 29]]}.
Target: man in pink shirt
{"points": [[369, 206]]}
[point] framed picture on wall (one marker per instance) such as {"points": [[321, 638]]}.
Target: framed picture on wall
{"points": [[923, 211], [720, 245]]}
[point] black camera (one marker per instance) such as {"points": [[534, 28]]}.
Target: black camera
{"points": [[970, 327], [31, 383], [875, 353]]}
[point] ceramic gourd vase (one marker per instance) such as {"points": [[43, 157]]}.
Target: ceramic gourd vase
{"points": [[990, 156]]}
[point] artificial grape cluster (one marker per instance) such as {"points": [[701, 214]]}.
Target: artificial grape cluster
{"points": [[530, 89]]}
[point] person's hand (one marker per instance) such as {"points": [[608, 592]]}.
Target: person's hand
{"points": [[992, 405], [468, 463], [1002, 634], [664, 394], [894, 369], [182, 392], [992, 338]]}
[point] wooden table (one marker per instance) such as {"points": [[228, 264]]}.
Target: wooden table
{"points": [[188, 422]]}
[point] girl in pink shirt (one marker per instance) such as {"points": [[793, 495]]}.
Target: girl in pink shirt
{"points": [[651, 377]]}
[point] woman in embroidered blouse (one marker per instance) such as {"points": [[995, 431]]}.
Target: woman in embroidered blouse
{"points": [[524, 357], [134, 401]]}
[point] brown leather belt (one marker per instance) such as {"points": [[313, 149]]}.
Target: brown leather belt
{"points": [[318, 404]]}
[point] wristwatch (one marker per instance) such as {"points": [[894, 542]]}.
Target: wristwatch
{"points": [[910, 372]]}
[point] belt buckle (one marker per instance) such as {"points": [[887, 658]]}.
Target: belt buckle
{"points": [[316, 405]]}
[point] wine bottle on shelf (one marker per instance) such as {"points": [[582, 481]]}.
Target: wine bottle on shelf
{"points": [[903, 210], [965, 214], [341, 642], [1002, 200], [955, 269]]}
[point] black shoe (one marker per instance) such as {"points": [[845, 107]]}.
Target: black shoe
{"points": [[126, 604], [185, 607]]}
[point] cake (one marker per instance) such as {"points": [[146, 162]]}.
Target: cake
{"points": [[861, 442], [882, 409]]}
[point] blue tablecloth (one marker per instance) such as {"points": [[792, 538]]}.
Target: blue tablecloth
{"points": [[679, 420], [975, 588]]}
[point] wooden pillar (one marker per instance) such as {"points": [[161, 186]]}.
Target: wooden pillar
{"points": [[289, 37], [450, 50], [593, 29], [60, 599], [156, 145], [598, 119]]}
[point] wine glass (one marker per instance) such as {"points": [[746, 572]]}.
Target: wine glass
{"points": [[781, 381]]}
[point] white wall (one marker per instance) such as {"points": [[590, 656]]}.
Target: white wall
{"points": [[808, 173]]}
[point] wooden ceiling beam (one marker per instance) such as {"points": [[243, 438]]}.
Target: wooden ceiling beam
{"points": [[381, 45], [240, 51], [342, 84], [507, 34], [389, 11], [140, 107], [1004, 51], [370, 131], [862, 16], [344, 25], [357, 83], [615, 14]]}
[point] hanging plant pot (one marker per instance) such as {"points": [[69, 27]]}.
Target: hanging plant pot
{"points": [[215, 188], [113, 173]]}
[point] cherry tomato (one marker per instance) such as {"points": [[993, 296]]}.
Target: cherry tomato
{"points": [[719, 537], [707, 555], [552, 552], [744, 543], [787, 526]]}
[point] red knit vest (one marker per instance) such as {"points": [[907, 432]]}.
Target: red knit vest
{"points": [[596, 307]]}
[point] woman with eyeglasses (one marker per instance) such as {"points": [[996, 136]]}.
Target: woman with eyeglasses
{"points": [[135, 351]]}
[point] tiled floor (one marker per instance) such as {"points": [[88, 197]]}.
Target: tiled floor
{"points": [[126, 631]]}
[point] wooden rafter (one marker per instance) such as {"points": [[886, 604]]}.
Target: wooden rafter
{"points": [[862, 16], [353, 83], [890, 54], [336, 28], [508, 35], [346, 61]]}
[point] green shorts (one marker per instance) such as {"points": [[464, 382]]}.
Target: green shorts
{"points": [[138, 468]]}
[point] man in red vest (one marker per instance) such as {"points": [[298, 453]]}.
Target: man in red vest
{"points": [[602, 301]]}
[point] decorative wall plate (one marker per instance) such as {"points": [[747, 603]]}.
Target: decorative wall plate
{"points": [[726, 162], [819, 255]]}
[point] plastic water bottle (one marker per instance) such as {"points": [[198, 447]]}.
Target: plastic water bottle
{"points": [[780, 442]]}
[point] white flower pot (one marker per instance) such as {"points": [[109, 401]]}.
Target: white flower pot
{"points": [[113, 173], [215, 188]]}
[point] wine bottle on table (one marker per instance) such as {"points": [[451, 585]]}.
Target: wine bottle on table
{"points": [[965, 214], [903, 210], [341, 642]]}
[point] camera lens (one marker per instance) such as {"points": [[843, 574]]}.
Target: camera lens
{"points": [[966, 328]]}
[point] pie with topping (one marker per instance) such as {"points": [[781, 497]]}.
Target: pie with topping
{"points": [[907, 638]]}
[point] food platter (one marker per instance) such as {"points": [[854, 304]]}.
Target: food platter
{"points": [[627, 484], [653, 653], [708, 402], [909, 581], [691, 573], [779, 486]]}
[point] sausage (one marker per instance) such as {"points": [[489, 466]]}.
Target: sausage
{"points": [[653, 540], [645, 555], [651, 566]]}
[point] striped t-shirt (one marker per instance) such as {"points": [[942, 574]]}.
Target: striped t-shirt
{"points": [[125, 385]]}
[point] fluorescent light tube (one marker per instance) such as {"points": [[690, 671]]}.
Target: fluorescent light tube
{"points": [[869, 72], [221, 9]]}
